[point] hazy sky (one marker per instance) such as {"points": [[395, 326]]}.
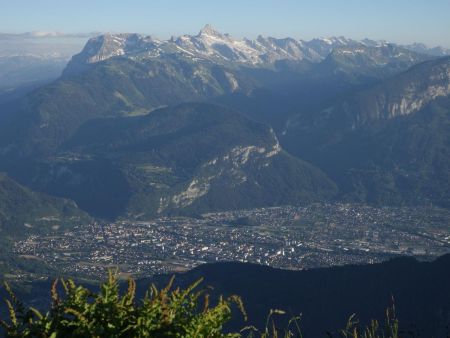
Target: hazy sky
{"points": [[401, 21]]}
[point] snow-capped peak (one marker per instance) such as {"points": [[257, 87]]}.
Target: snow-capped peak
{"points": [[212, 45], [209, 30]]}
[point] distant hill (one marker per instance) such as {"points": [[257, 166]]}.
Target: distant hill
{"points": [[33, 59], [388, 144], [21, 70], [403, 94], [377, 62], [190, 158], [23, 211], [41, 122]]}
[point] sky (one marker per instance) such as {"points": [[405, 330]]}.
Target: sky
{"points": [[402, 21]]}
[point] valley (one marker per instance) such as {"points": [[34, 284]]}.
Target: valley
{"points": [[295, 238], [157, 156], [282, 176]]}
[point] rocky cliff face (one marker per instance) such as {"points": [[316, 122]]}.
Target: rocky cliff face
{"points": [[402, 95]]}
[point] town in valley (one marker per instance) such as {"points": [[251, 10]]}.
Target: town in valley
{"points": [[319, 235]]}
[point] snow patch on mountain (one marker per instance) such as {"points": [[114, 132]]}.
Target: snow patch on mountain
{"points": [[210, 44]]}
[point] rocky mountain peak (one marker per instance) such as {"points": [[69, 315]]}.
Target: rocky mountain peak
{"points": [[209, 30], [214, 46]]}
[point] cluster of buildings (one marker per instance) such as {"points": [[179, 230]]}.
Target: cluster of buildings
{"points": [[319, 235]]}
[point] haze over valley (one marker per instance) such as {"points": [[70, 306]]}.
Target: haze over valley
{"points": [[138, 128], [156, 156]]}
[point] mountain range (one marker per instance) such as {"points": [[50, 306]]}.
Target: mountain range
{"points": [[32, 59], [222, 48], [138, 127]]}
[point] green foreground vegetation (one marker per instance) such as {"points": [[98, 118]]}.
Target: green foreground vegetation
{"points": [[163, 312]]}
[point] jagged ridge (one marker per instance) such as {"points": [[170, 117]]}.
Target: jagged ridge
{"points": [[213, 45]]}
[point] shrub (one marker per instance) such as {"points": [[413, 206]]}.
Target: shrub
{"points": [[161, 313], [82, 313]]}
